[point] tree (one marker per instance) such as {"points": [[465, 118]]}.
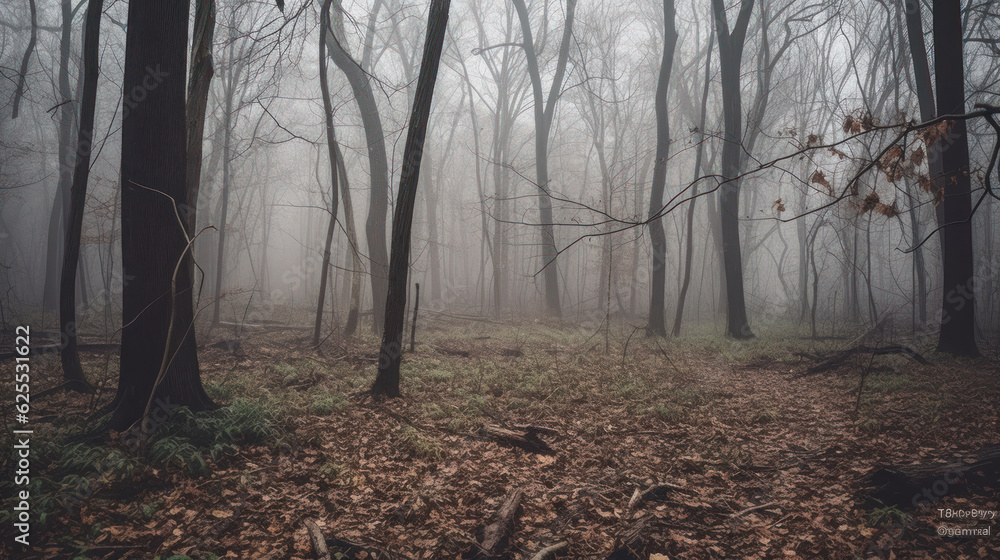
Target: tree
{"points": [[331, 144], [544, 113], [730, 55], [202, 71], [657, 286], [70, 356], [360, 82], [689, 241], [387, 381], [958, 319], [158, 354]]}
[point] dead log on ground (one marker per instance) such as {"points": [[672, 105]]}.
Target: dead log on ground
{"points": [[840, 358], [318, 541], [908, 485], [526, 439], [634, 543], [655, 492], [452, 351], [495, 538]]}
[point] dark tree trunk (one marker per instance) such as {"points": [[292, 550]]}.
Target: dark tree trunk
{"points": [[689, 241], [23, 74], [57, 226], [958, 312], [72, 370], [925, 97], [331, 145], [379, 178], [387, 380], [657, 286], [156, 296], [202, 70], [730, 57]]}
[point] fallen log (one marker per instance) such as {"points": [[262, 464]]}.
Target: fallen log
{"points": [[655, 492], [318, 541], [495, 538], [634, 543], [526, 439], [840, 358], [452, 351], [906, 486]]}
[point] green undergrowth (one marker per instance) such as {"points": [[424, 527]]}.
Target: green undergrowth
{"points": [[67, 470]]}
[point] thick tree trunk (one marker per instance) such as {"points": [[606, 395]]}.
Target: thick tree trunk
{"points": [[72, 370], [378, 167], [387, 381], [958, 310], [657, 286], [156, 299], [730, 56]]}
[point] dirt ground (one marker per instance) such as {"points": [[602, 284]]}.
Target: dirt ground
{"points": [[760, 460]]}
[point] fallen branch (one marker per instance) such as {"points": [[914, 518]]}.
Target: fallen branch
{"points": [[897, 484], [550, 552], [840, 358], [497, 535], [655, 492], [318, 541], [527, 440], [752, 509]]}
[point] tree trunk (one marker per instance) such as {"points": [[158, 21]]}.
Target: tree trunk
{"points": [[57, 226], [200, 79], [657, 287], [156, 297], [544, 111], [387, 380], [958, 311], [730, 56], [72, 370], [331, 142], [378, 167], [689, 249]]}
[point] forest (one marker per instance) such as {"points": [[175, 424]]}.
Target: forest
{"points": [[512, 280]]}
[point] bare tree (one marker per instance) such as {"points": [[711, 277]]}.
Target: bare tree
{"points": [[544, 112]]}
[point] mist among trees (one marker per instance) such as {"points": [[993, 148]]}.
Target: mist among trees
{"points": [[527, 278]]}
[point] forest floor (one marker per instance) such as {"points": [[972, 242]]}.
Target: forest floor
{"points": [[760, 460]]}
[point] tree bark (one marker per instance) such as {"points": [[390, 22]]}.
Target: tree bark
{"points": [[156, 294], [202, 70], [331, 142], [689, 249], [23, 73], [958, 310], [657, 286], [70, 357], [544, 112], [60, 217], [378, 167], [387, 381], [730, 56]]}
